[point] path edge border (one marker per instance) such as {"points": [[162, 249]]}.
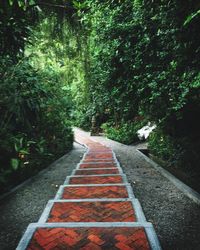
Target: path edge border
{"points": [[147, 226], [42, 171], [188, 191]]}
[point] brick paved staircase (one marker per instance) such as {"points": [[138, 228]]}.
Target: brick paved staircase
{"points": [[95, 209]]}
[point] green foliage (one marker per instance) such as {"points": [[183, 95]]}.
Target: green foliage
{"points": [[35, 106], [15, 163], [40, 59], [191, 17], [177, 152], [115, 60], [16, 19], [125, 132], [138, 60], [162, 145], [144, 60], [22, 3]]}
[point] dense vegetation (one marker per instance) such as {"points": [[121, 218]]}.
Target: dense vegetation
{"points": [[124, 62], [144, 66], [35, 102]]}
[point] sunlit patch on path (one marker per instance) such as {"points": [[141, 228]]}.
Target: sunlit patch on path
{"points": [[95, 209]]}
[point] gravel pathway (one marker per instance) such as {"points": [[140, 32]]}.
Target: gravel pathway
{"points": [[26, 204], [110, 219], [175, 217]]}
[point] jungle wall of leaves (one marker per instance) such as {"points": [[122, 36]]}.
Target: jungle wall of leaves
{"points": [[144, 66], [125, 62]]}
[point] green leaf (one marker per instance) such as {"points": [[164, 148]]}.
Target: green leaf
{"points": [[191, 17], [25, 152], [31, 2], [11, 2], [20, 3], [15, 163], [31, 142], [21, 141], [16, 147]]}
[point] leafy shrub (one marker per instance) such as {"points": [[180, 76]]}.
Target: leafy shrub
{"points": [[161, 145], [82, 119], [34, 113], [144, 59], [181, 152], [125, 132]]}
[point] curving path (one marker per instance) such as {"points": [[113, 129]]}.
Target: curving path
{"points": [[95, 209]]}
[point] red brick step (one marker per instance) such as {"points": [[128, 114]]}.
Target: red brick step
{"points": [[96, 171], [97, 165], [111, 160], [117, 238], [94, 179], [89, 192], [97, 211], [94, 210]]}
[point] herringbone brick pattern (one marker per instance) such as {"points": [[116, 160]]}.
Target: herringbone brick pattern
{"points": [[98, 160], [92, 212], [97, 171], [95, 180], [93, 159], [89, 239], [94, 156], [100, 154], [98, 165], [89, 192], [103, 150]]}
